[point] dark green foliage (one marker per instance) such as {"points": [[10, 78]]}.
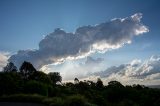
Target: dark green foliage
{"points": [[30, 85], [115, 91], [55, 101], [115, 84], [76, 100], [10, 83], [55, 77], [41, 77], [35, 87], [22, 98]]}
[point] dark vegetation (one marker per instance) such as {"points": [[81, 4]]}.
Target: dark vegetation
{"points": [[29, 85]]}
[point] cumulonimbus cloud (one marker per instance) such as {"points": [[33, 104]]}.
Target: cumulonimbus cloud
{"points": [[59, 46]]}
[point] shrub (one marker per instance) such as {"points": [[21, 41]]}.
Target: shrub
{"points": [[10, 83], [34, 87]]}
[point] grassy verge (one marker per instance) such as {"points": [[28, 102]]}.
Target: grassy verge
{"points": [[22, 98], [74, 100]]}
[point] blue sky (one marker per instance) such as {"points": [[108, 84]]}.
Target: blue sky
{"points": [[24, 23]]}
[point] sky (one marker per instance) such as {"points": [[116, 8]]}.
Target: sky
{"points": [[84, 38]]}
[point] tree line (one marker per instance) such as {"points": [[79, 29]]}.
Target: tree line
{"points": [[27, 80]]}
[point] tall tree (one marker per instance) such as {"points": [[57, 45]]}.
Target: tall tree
{"points": [[115, 84], [55, 77], [99, 83], [40, 77], [27, 69]]}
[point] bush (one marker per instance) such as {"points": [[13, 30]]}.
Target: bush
{"points": [[34, 87], [10, 83]]}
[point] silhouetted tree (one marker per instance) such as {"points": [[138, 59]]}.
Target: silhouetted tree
{"points": [[27, 69], [91, 84], [137, 86], [99, 83], [76, 81], [114, 94], [82, 86], [69, 84], [115, 84], [116, 91], [55, 77], [41, 77], [10, 67]]}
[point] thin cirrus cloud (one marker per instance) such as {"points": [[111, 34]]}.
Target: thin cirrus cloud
{"points": [[59, 46]]}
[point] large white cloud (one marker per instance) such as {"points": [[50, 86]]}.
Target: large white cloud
{"points": [[59, 46], [3, 59], [147, 72]]}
